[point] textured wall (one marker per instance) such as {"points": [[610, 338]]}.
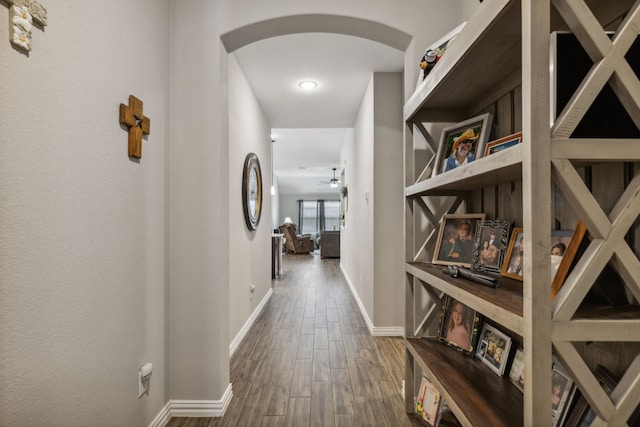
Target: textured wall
{"points": [[82, 247], [249, 251], [106, 263]]}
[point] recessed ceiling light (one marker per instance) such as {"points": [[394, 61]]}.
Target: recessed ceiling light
{"points": [[308, 85]]}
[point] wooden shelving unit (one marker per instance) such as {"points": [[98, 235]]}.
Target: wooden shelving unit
{"points": [[500, 63]]}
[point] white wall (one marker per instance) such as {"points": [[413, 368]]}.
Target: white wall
{"points": [[372, 252], [106, 263], [83, 255], [388, 203], [356, 239], [249, 251], [199, 199], [275, 204], [467, 8]]}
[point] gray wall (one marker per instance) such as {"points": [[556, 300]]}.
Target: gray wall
{"points": [[106, 263], [250, 263], [372, 255], [83, 248]]}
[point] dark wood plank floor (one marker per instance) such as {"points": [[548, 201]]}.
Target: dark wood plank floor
{"points": [[309, 359]]}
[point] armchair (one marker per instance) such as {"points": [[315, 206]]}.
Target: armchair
{"points": [[295, 243]]}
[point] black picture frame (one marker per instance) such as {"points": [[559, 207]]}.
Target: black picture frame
{"points": [[582, 415], [490, 245], [252, 191], [459, 325]]}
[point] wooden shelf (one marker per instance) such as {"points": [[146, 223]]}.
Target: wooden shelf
{"points": [[600, 323], [476, 395], [502, 304], [496, 52], [498, 63], [491, 42], [504, 166]]}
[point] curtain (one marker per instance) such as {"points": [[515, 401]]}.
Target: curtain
{"points": [[321, 215], [300, 213]]}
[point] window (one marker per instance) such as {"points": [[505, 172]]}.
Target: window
{"points": [[309, 217], [331, 215], [318, 215]]}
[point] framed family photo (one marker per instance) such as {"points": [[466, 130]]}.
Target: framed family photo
{"points": [[460, 144], [565, 256], [497, 145], [514, 260], [562, 390], [490, 245], [493, 349], [459, 326], [456, 237], [516, 373]]}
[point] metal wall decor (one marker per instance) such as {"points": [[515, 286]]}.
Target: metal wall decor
{"points": [[252, 191]]}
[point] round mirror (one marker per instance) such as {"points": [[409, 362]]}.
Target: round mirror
{"points": [[252, 191]]}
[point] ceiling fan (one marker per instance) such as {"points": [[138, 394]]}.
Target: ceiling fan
{"points": [[333, 182]]}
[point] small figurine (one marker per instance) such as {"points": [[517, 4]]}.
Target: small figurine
{"points": [[429, 60]]}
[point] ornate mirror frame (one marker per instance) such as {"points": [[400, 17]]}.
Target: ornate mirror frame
{"points": [[252, 191]]}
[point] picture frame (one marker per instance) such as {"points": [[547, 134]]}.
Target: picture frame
{"points": [[567, 262], [513, 262], [582, 415], [456, 236], [500, 144], [560, 240], [562, 390], [494, 348], [459, 326], [516, 373], [473, 131], [428, 402], [490, 245]]}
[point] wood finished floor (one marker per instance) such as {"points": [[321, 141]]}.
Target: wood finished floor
{"points": [[309, 359]]}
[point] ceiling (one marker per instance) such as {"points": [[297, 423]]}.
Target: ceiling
{"points": [[309, 127]]}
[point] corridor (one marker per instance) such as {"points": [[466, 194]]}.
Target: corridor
{"points": [[309, 359]]}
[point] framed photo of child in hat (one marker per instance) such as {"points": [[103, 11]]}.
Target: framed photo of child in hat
{"points": [[460, 143]]}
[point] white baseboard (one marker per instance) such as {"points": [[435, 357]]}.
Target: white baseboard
{"points": [[163, 417], [376, 331], [363, 311], [193, 408], [247, 325], [388, 331]]}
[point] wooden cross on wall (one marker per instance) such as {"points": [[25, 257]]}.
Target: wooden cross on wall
{"points": [[22, 13], [138, 124]]}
